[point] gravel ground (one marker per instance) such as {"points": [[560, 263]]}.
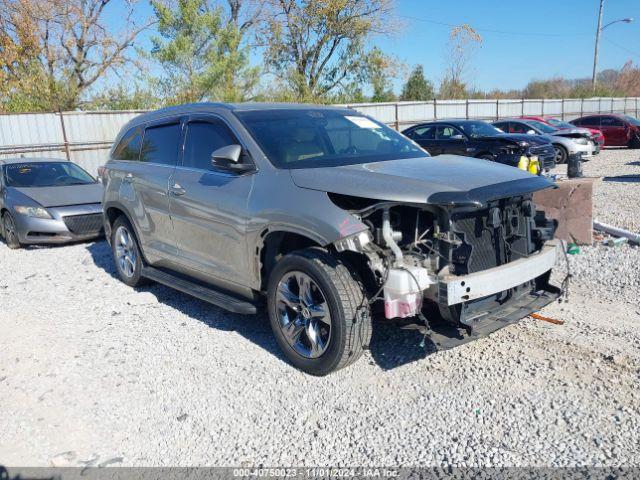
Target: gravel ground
{"points": [[93, 372]]}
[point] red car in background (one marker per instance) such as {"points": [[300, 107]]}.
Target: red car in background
{"points": [[618, 130], [596, 134]]}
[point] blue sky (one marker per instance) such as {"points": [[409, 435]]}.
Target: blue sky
{"points": [[522, 40]]}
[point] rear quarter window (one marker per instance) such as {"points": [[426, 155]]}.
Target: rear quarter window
{"points": [[129, 146]]}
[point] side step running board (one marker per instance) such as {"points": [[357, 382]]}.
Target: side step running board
{"points": [[210, 295]]}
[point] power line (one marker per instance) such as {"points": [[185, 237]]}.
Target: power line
{"points": [[636, 54], [501, 32]]}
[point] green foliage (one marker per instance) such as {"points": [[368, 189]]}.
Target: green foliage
{"points": [[417, 86], [200, 54], [452, 89], [121, 98], [317, 46]]}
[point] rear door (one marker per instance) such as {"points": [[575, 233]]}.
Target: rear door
{"points": [[425, 136], [209, 205], [147, 162], [614, 130]]}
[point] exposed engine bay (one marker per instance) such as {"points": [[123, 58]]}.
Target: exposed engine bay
{"points": [[466, 266]]}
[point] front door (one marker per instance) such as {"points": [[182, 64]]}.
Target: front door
{"points": [[451, 140], [614, 130], [209, 205]]}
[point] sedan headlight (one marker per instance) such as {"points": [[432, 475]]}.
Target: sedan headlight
{"points": [[581, 141], [37, 212], [523, 144]]}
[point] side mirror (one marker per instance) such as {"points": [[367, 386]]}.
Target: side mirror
{"points": [[531, 132], [228, 158]]}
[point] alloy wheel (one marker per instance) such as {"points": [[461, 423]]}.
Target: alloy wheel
{"points": [[10, 234], [559, 158], [126, 254], [303, 314]]}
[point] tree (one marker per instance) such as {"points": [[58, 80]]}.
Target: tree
{"points": [[417, 86], [200, 52], [69, 48], [461, 48], [379, 70], [317, 46]]}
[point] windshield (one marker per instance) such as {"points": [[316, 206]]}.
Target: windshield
{"points": [[631, 119], [543, 127], [45, 174], [559, 123], [309, 138], [478, 129]]}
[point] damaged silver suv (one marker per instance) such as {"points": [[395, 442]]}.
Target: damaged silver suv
{"points": [[324, 212]]}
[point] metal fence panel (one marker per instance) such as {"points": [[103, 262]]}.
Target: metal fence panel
{"points": [[89, 134]]}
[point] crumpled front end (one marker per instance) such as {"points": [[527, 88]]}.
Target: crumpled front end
{"points": [[466, 269]]}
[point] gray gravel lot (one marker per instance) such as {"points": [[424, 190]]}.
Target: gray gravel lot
{"points": [[93, 372]]}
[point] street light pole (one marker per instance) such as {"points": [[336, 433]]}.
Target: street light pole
{"points": [[595, 54]]}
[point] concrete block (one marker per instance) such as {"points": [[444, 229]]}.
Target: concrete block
{"points": [[572, 205]]}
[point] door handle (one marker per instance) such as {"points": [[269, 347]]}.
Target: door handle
{"points": [[128, 178], [177, 190]]}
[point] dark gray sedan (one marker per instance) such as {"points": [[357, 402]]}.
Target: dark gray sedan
{"points": [[46, 201]]}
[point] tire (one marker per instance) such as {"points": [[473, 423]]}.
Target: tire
{"points": [[486, 156], [347, 333], [634, 143], [126, 253], [9, 231], [561, 154]]}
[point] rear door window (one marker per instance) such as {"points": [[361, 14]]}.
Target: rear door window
{"points": [[204, 138], [590, 121], [161, 144], [129, 146], [424, 133]]}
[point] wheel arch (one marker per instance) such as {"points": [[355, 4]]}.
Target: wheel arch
{"points": [[274, 243]]}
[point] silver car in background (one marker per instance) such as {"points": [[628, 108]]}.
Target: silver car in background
{"points": [[48, 201], [566, 146]]}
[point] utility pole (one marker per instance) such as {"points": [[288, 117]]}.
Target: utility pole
{"points": [[595, 54]]}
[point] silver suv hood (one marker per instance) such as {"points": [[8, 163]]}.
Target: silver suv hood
{"points": [[445, 179]]}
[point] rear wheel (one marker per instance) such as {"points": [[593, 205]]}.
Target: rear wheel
{"points": [[126, 253], [318, 310], [561, 154], [10, 231]]}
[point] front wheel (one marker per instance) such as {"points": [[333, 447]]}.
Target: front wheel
{"points": [[561, 154], [10, 231], [635, 141], [318, 310], [487, 156]]}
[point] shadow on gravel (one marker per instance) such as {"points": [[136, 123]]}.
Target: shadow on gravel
{"points": [[255, 328], [392, 345], [632, 178], [635, 163]]}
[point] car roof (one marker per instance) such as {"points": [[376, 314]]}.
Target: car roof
{"points": [[13, 160], [204, 107]]}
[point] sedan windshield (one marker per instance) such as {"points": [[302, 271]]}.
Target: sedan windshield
{"points": [[310, 138], [45, 174], [632, 120], [478, 129]]}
